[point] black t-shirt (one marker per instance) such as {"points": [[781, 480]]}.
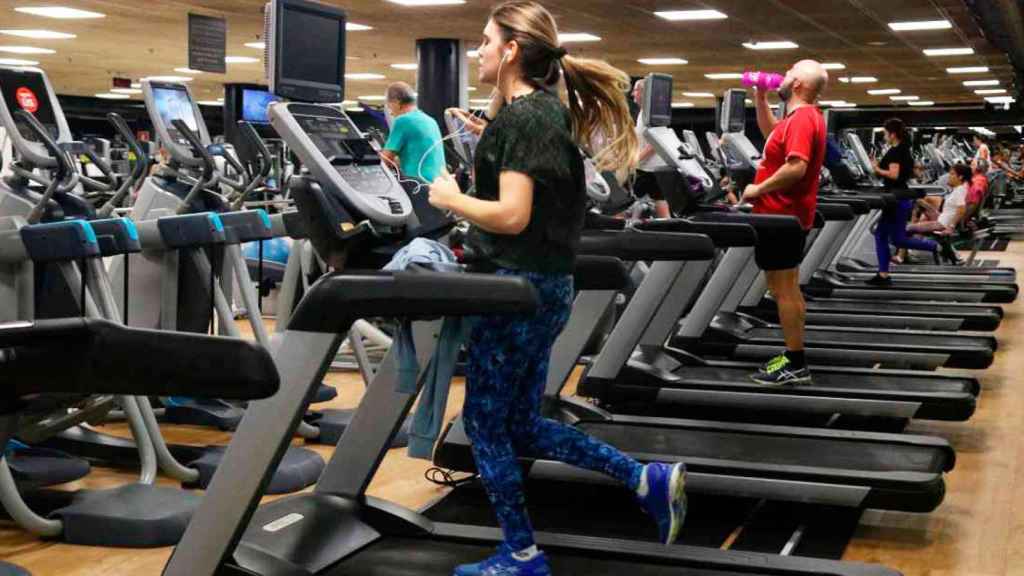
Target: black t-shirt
{"points": [[532, 135], [898, 155]]}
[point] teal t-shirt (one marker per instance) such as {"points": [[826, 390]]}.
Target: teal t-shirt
{"points": [[414, 135]]}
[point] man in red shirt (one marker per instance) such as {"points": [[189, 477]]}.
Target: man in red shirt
{"points": [[787, 184]]}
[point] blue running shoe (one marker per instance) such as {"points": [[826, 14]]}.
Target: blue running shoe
{"points": [[666, 498], [503, 564]]}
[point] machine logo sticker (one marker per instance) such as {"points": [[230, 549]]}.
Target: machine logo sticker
{"points": [[283, 522], [27, 99]]}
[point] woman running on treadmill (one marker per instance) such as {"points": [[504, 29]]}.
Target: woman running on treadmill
{"points": [[526, 214], [896, 169]]}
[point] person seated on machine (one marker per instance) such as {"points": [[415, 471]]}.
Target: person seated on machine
{"points": [[942, 225], [526, 216], [415, 139], [977, 192], [1000, 160]]}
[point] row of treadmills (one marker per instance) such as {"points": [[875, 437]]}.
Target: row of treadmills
{"points": [[778, 477]]}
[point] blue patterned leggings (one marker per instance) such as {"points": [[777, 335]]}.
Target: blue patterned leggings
{"points": [[506, 373]]}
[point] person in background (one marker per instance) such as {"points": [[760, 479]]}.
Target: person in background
{"points": [[652, 172], [415, 140], [895, 170], [787, 183], [943, 224], [1000, 160], [978, 189], [981, 150]]}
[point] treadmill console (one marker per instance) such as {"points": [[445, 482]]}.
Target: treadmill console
{"points": [[342, 159]]}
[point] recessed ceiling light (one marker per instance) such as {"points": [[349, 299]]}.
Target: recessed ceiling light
{"points": [[59, 12], [471, 88], [990, 91], [698, 94], [834, 66], [240, 60], [405, 66], [353, 27], [1000, 99], [125, 91], [168, 78], [26, 50], [686, 15], [948, 51], [355, 109], [922, 103], [683, 104], [364, 76], [210, 103], [845, 105], [372, 97], [773, 45], [38, 34], [724, 76], [921, 25], [17, 62], [480, 101], [968, 70], [663, 61], [884, 92], [112, 96], [256, 45], [904, 98], [136, 85], [858, 79], [427, 2], [982, 130], [981, 83], [831, 102], [188, 71], [577, 37]]}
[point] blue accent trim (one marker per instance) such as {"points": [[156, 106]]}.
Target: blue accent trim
{"points": [[264, 217], [218, 225], [133, 232]]}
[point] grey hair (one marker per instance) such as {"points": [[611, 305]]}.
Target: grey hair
{"points": [[981, 165], [401, 93]]}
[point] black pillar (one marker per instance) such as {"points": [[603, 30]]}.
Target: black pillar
{"points": [[438, 82]]}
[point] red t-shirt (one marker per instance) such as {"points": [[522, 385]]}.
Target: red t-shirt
{"points": [[802, 135], [979, 185]]}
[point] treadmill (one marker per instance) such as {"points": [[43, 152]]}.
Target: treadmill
{"points": [[337, 528]]}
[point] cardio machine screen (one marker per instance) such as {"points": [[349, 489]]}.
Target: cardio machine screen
{"points": [[175, 104], [25, 90], [254, 105], [659, 100], [313, 47], [737, 110]]}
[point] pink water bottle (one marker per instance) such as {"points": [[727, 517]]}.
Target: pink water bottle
{"points": [[766, 81]]}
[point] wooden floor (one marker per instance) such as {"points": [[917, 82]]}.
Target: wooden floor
{"points": [[977, 531]]}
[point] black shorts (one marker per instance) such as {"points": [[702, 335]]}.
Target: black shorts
{"points": [[646, 184], [780, 251]]}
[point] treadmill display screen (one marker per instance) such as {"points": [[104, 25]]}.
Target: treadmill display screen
{"points": [[254, 105], [174, 103], [26, 90], [737, 110], [658, 93]]}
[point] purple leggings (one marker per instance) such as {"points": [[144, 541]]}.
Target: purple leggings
{"points": [[892, 229]]}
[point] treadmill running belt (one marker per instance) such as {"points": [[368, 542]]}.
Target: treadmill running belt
{"points": [[414, 557], [869, 339], [825, 381], [814, 453]]}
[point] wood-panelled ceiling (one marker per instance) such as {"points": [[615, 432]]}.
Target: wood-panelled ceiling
{"points": [[138, 39]]}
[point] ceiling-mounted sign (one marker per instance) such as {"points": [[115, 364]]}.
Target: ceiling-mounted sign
{"points": [[207, 43]]}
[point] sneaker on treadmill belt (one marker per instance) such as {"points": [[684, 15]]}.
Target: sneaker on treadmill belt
{"points": [[504, 564], [779, 371], [665, 499]]}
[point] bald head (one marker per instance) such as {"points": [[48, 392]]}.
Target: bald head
{"points": [[813, 79]]}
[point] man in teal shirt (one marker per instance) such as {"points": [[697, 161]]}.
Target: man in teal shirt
{"points": [[414, 143]]}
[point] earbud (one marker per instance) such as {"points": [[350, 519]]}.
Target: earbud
{"points": [[504, 55]]}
